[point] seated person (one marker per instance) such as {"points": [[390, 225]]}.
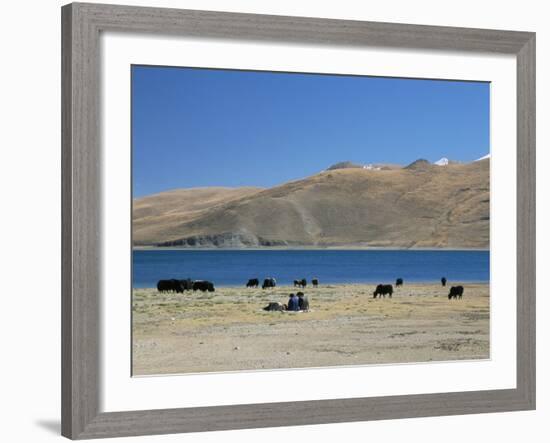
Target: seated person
{"points": [[293, 303], [303, 301]]}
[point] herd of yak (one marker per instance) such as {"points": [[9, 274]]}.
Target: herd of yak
{"points": [[180, 286], [271, 283]]}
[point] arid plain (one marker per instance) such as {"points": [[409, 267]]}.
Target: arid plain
{"points": [[227, 330]]}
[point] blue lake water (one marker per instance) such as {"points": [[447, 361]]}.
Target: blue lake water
{"points": [[235, 267]]}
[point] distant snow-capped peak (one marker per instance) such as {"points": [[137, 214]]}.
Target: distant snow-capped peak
{"points": [[442, 162], [483, 158]]}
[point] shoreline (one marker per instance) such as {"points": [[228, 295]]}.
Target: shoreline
{"points": [[307, 248], [289, 286]]}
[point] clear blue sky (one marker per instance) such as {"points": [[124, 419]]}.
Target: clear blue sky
{"points": [[203, 127]]}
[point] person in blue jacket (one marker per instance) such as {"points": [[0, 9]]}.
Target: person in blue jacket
{"points": [[293, 303]]}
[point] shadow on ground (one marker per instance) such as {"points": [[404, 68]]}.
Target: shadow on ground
{"points": [[53, 426]]}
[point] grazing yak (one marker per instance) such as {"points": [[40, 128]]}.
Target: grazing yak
{"points": [[300, 283], [382, 290], [174, 285], [253, 283], [203, 285], [275, 306], [167, 285], [443, 281], [184, 285], [398, 282], [315, 282], [269, 283], [456, 292]]}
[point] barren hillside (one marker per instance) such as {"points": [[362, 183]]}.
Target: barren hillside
{"points": [[420, 206]]}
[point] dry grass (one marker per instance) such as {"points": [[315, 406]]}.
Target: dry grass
{"points": [[228, 330], [158, 215]]}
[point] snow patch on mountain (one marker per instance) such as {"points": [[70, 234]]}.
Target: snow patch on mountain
{"points": [[371, 167], [442, 162], [483, 158]]}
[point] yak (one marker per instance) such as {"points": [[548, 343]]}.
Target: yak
{"points": [[269, 283], [203, 285], [174, 285], [300, 283], [167, 285], [253, 283], [382, 290], [456, 292], [399, 282], [315, 282], [443, 281], [184, 285]]}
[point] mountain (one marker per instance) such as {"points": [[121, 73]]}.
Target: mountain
{"points": [[444, 161], [421, 163], [422, 205], [344, 165], [351, 165], [158, 217]]}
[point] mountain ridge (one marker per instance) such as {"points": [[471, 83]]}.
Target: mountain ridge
{"points": [[421, 207]]}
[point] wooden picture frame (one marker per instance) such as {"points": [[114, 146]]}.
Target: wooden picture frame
{"points": [[81, 181]]}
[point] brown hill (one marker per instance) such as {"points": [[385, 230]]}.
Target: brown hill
{"points": [[158, 217], [425, 206], [344, 165], [420, 164]]}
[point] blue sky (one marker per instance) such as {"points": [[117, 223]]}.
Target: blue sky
{"points": [[203, 127]]}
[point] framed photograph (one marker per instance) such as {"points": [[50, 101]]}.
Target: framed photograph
{"points": [[274, 221]]}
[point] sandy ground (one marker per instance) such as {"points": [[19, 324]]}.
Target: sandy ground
{"points": [[227, 330]]}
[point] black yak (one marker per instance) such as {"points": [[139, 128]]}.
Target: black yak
{"points": [[382, 290], [167, 285], [203, 285], [456, 292], [184, 285], [269, 283]]}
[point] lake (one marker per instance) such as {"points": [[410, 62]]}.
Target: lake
{"points": [[235, 267]]}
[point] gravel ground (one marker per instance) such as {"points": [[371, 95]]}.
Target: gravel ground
{"points": [[227, 330]]}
